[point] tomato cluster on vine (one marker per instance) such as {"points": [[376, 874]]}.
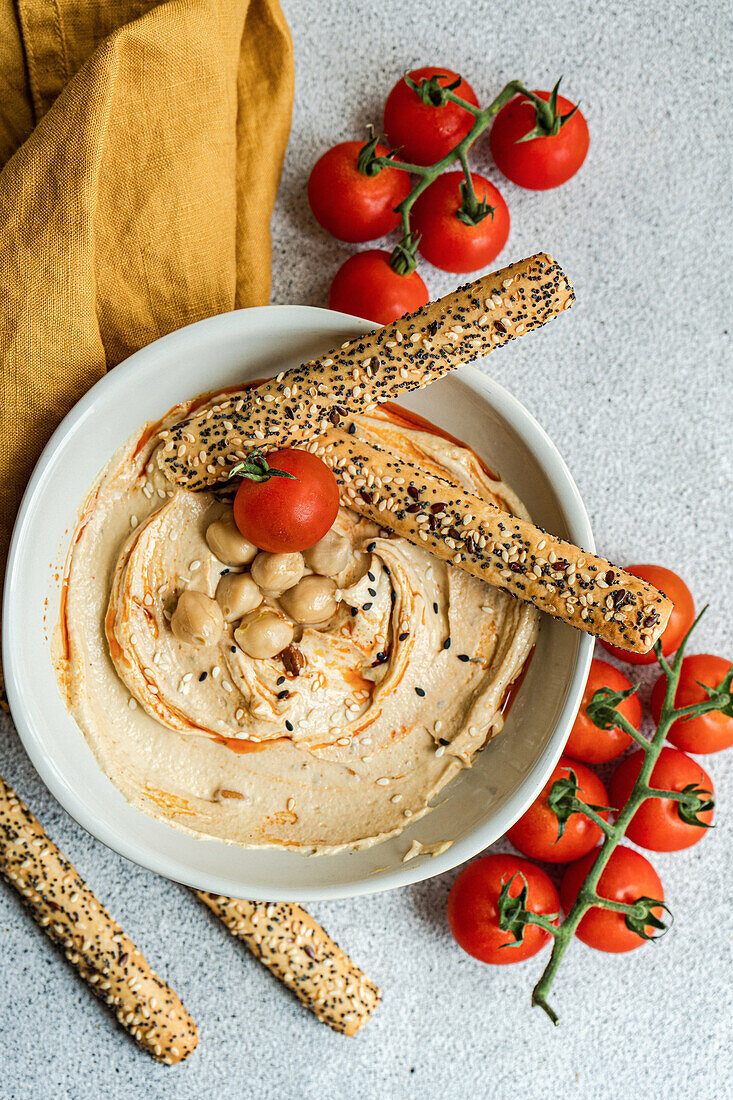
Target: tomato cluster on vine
{"points": [[554, 831], [456, 219]]}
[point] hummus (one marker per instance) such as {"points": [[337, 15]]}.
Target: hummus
{"points": [[386, 702]]}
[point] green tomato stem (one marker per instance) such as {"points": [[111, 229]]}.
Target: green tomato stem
{"points": [[428, 173], [588, 894]]}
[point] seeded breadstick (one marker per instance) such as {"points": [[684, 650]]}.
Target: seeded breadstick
{"points": [[411, 352], [510, 553], [67, 910], [303, 956]]}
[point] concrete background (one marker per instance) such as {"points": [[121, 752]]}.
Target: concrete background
{"points": [[634, 387]]}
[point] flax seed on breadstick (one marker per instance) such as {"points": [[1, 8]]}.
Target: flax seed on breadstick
{"points": [[559, 578], [411, 352], [303, 956], [67, 910]]}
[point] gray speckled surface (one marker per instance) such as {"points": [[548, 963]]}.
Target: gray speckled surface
{"points": [[632, 387]]}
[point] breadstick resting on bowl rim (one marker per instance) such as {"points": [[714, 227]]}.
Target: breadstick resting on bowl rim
{"points": [[319, 404]]}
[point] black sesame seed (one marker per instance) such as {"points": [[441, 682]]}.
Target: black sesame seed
{"points": [[372, 591], [371, 546], [443, 741], [420, 692], [280, 680], [352, 428], [283, 694], [289, 726], [367, 606], [404, 635], [371, 576], [446, 643], [435, 608], [202, 677], [463, 657], [354, 610]]}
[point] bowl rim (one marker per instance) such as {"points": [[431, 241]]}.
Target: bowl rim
{"points": [[511, 409]]}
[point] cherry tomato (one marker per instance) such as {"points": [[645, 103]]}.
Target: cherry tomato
{"points": [[447, 241], [657, 824], [626, 877], [541, 162], [367, 286], [710, 732], [421, 132], [473, 914], [587, 741], [284, 514], [536, 832], [680, 621], [350, 204]]}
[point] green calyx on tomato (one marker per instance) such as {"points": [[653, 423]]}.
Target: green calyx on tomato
{"points": [[513, 913], [602, 709], [471, 211], [369, 162], [564, 802], [694, 801], [548, 121], [430, 90], [642, 915], [255, 467], [403, 260]]}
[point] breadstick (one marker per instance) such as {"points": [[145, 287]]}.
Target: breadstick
{"points": [[405, 355], [303, 956], [561, 579], [67, 910]]}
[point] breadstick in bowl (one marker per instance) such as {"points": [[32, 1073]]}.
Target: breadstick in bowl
{"points": [[303, 956], [381, 366], [561, 579], [67, 910]]}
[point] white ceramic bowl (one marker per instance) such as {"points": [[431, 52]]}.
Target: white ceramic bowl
{"points": [[476, 808]]}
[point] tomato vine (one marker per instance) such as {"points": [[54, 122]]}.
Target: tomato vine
{"points": [[472, 210], [603, 710]]}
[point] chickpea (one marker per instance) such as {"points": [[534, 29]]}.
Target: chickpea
{"points": [[197, 619], [329, 556], [237, 594], [263, 633], [275, 573], [227, 543], [312, 600]]}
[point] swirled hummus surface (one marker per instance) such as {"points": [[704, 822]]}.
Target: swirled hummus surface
{"points": [[386, 702]]}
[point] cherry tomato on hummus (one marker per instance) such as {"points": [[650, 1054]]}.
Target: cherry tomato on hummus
{"points": [[287, 500]]}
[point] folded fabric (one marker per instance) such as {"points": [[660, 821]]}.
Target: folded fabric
{"points": [[144, 145]]}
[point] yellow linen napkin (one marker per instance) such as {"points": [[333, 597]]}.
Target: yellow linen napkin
{"points": [[142, 144]]}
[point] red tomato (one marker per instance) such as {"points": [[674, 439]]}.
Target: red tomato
{"points": [[587, 741], [710, 732], [421, 132], [657, 824], [367, 286], [284, 514], [349, 204], [445, 240], [536, 832], [473, 915], [680, 621], [541, 162], [626, 877]]}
